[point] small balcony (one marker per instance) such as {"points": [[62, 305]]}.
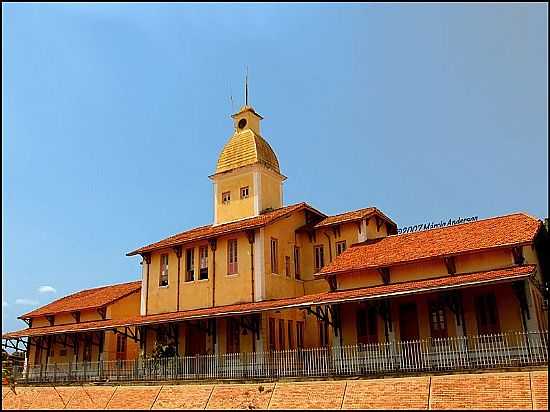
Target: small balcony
{"points": [[505, 350]]}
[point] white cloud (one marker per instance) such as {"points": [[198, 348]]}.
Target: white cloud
{"points": [[46, 289], [26, 302], [4, 304]]}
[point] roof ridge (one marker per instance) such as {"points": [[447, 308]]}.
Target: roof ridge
{"points": [[218, 227], [354, 210], [83, 291], [105, 286], [451, 226]]}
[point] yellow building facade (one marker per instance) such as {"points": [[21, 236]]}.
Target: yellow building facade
{"points": [[268, 277]]}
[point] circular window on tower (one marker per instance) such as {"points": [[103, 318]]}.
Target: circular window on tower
{"points": [[242, 123]]}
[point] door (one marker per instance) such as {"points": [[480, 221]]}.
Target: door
{"points": [[120, 347], [38, 353], [367, 325], [438, 320], [408, 322], [233, 335], [195, 341], [487, 314]]}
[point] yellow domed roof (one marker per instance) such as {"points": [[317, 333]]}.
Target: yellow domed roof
{"points": [[246, 148]]}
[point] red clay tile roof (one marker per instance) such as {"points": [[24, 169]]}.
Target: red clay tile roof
{"points": [[427, 285], [502, 231], [209, 231], [86, 299], [375, 292], [353, 216]]}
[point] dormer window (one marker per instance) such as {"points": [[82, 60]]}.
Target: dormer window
{"points": [[226, 198], [163, 281], [244, 192]]}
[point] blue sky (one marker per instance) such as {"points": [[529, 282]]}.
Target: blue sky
{"points": [[114, 115]]}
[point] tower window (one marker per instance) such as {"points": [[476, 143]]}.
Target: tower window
{"points": [[226, 197], [340, 247], [163, 280], [244, 192]]}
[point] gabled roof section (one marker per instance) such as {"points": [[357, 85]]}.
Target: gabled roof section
{"points": [[86, 299], [352, 216], [503, 231], [211, 231]]}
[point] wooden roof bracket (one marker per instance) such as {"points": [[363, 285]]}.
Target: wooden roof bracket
{"points": [[129, 333], [320, 314], [517, 252], [334, 311], [13, 343], [213, 242], [146, 257], [521, 295], [102, 312], [250, 235], [332, 283], [450, 264], [76, 316], [251, 324], [384, 275], [199, 325]]}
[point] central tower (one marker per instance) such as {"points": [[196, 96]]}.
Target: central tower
{"points": [[247, 180]]}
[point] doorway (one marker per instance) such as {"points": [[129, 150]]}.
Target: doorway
{"points": [[408, 322]]}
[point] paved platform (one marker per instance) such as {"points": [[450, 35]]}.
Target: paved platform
{"points": [[502, 390]]}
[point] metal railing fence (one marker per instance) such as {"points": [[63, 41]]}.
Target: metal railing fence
{"points": [[513, 349]]}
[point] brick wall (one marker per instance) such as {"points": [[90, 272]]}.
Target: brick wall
{"points": [[504, 390]]}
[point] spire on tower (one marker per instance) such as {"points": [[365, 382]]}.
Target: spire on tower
{"points": [[246, 88]]}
